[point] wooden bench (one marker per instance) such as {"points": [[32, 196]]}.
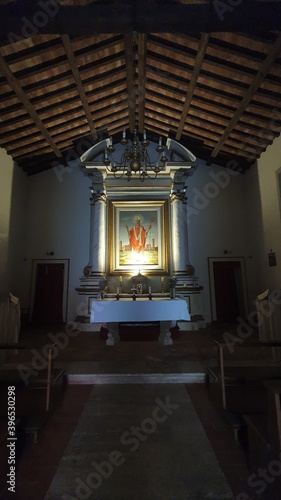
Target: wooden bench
{"points": [[36, 397], [239, 386], [264, 431]]}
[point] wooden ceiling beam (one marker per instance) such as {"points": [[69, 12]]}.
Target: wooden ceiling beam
{"points": [[131, 91], [142, 46], [193, 82], [4, 68], [259, 78], [79, 85], [20, 17]]}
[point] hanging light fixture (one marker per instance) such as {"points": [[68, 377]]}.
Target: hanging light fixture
{"points": [[134, 158]]}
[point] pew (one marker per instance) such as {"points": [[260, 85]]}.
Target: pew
{"points": [[39, 390], [264, 431], [237, 385]]}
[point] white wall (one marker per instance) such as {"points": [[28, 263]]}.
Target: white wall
{"points": [[265, 217], [242, 214], [6, 165], [59, 221], [216, 209], [12, 224]]}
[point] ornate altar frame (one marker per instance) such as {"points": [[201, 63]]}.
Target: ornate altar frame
{"points": [[155, 258]]}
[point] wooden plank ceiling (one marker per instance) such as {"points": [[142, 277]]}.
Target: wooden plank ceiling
{"points": [[203, 72]]}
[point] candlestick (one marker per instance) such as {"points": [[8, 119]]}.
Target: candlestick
{"points": [[149, 289], [121, 279]]}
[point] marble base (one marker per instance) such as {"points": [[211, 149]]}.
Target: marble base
{"points": [[165, 337]]}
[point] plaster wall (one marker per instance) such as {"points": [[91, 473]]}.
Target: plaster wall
{"points": [[264, 218], [216, 221], [13, 187], [59, 221]]}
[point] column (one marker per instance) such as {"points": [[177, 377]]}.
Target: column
{"points": [[98, 234], [187, 283], [97, 250], [179, 240]]}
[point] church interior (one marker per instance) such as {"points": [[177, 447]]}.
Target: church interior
{"points": [[140, 224]]}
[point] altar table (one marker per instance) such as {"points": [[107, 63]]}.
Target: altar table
{"points": [[113, 312]]}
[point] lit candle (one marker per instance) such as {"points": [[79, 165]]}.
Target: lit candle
{"points": [[124, 133], [160, 141], [162, 279], [120, 279], [144, 135], [149, 289], [118, 290]]}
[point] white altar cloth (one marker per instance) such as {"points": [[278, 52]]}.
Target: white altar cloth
{"points": [[122, 311], [113, 312]]}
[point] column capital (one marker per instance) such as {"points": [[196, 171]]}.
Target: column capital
{"points": [[97, 196], [179, 186], [97, 188], [178, 195]]}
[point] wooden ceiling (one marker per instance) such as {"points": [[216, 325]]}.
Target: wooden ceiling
{"points": [[204, 72]]}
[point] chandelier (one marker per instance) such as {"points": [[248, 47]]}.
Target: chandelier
{"points": [[134, 158]]}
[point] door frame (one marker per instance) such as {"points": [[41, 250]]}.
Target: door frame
{"points": [[241, 261], [65, 283]]}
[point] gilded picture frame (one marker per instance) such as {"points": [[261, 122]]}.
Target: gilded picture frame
{"points": [[138, 238]]}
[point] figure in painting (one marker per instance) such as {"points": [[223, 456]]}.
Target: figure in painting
{"points": [[137, 237]]}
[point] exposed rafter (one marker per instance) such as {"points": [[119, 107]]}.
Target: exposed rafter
{"points": [[78, 82], [265, 66], [193, 81], [142, 42], [5, 70], [130, 70], [216, 91]]}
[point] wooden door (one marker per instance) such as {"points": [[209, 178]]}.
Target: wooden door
{"points": [[228, 291], [48, 293]]}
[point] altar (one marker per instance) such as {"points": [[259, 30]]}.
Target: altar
{"points": [[138, 245], [112, 312]]}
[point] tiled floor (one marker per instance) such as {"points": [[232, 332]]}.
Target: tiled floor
{"points": [[190, 353]]}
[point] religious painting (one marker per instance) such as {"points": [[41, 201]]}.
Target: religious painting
{"points": [[139, 233]]}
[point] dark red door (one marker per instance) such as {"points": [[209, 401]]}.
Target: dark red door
{"points": [[227, 278], [48, 296]]}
